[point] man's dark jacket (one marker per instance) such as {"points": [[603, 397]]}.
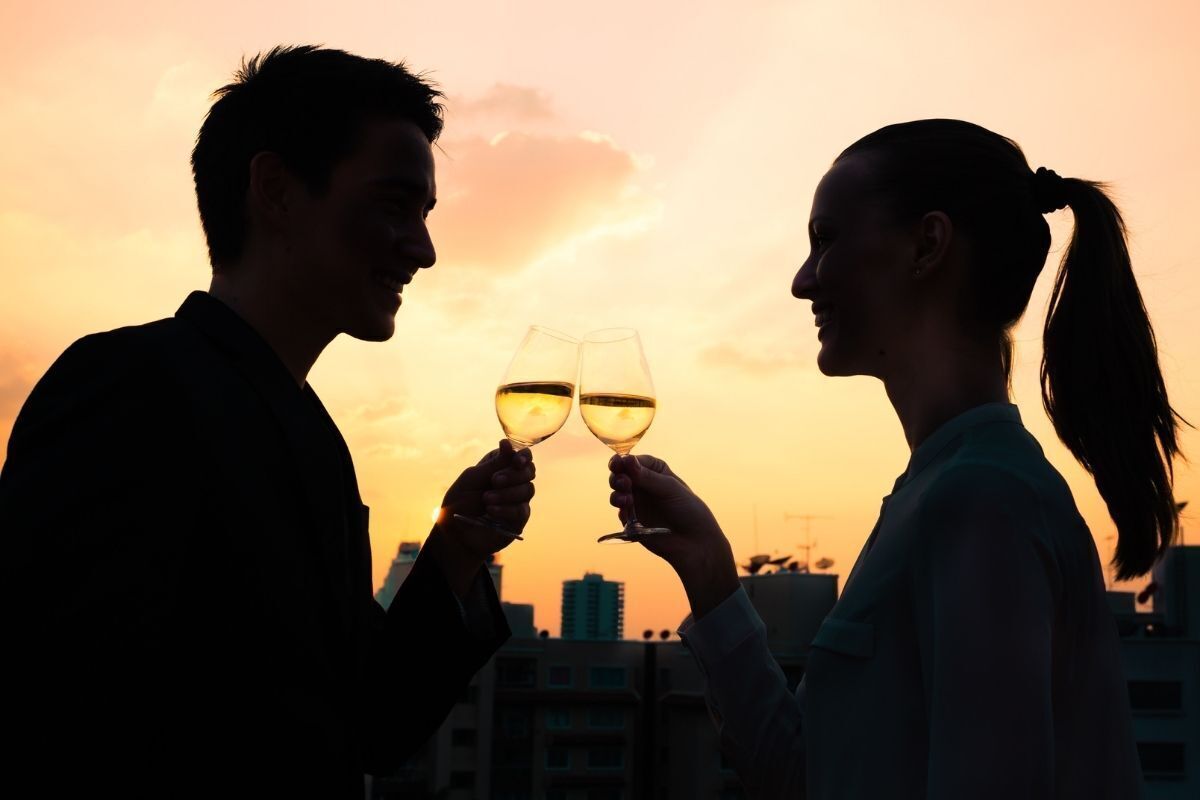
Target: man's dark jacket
{"points": [[189, 572]]}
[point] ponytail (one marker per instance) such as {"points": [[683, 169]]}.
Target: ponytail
{"points": [[1101, 381]]}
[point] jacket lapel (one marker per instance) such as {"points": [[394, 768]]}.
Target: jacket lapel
{"points": [[315, 455]]}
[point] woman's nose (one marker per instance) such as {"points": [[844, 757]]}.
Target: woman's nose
{"points": [[805, 281]]}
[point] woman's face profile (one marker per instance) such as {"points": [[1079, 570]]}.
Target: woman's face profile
{"points": [[857, 273]]}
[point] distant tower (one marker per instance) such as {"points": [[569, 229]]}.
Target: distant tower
{"points": [[402, 564], [593, 608]]}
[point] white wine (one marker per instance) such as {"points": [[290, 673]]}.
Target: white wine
{"points": [[618, 420], [531, 412]]}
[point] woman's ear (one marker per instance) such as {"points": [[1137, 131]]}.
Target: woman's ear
{"points": [[934, 234]]}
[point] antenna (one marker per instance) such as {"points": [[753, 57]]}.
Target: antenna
{"points": [[756, 527], [808, 544]]}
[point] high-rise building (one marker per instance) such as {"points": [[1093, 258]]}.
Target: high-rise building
{"points": [[576, 720], [593, 608], [402, 564]]}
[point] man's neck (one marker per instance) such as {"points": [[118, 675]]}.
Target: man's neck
{"points": [[285, 328]]}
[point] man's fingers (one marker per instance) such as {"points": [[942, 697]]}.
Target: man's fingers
{"points": [[511, 476], [513, 517], [514, 495]]}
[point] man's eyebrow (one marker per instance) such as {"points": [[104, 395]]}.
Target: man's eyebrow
{"points": [[408, 185], [402, 182]]}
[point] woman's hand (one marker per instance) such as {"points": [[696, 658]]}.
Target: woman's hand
{"points": [[696, 548]]}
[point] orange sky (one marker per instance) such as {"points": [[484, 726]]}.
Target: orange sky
{"points": [[626, 163]]}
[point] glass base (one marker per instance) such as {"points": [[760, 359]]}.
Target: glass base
{"points": [[634, 532], [488, 522]]}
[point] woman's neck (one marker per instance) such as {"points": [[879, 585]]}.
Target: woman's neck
{"points": [[938, 385]]}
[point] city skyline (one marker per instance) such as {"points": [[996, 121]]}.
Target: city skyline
{"points": [[625, 165]]}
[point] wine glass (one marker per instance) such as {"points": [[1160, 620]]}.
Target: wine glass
{"points": [[534, 397], [616, 401]]}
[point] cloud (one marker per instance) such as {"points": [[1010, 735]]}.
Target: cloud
{"points": [[507, 201], [392, 410], [750, 359], [474, 447], [503, 101], [394, 452], [17, 376]]}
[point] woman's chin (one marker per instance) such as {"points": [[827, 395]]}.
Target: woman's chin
{"points": [[827, 361]]}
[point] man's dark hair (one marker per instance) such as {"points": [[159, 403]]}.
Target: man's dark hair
{"points": [[308, 105]]}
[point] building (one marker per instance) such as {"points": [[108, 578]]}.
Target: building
{"points": [[402, 564], [1161, 655], [593, 719], [593, 609]]}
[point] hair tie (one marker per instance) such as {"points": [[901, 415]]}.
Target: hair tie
{"points": [[1049, 190]]}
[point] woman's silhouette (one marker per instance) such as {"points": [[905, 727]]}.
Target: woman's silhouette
{"points": [[972, 653]]}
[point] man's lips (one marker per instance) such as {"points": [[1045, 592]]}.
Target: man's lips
{"points": [[822, 314], [393, 281]]}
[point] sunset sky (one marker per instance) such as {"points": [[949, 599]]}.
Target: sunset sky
{"points": [[604, 164]]}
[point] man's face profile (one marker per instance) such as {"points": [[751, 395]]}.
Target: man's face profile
{"points": [[355, 246]]}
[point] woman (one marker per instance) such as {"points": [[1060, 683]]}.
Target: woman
{"points": [[972, 653]]}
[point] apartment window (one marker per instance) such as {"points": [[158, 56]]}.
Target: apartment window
{"points": [[606, 758], [606, 717], [1161, 759], [607, 793], [558, 758], [558, 677], [462, 779], [608, 677], [515, 672], [1156, 695], [558, 719], [463, 737], [514, 724]]}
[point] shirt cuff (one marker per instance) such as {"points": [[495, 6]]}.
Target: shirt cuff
{"points": [[476, 608], [719, 633]]}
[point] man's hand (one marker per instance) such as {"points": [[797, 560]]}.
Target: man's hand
{"points": [[500, 485]]}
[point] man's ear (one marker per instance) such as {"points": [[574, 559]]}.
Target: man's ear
{"points": [[934, 234], [271, 190]]}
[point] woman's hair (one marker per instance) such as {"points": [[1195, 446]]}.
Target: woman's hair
{"points": [[1101, 381]]}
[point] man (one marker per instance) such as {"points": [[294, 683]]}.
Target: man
{"points": [[191, 572]]}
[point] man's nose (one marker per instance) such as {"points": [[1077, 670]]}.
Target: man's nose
{"points": [[420, 249]]}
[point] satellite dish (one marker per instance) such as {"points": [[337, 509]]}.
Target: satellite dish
{"points": [[755, 564], [824, 563], [779, 562]]}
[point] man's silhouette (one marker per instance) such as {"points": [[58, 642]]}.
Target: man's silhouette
{"points": [[190, 572]]}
